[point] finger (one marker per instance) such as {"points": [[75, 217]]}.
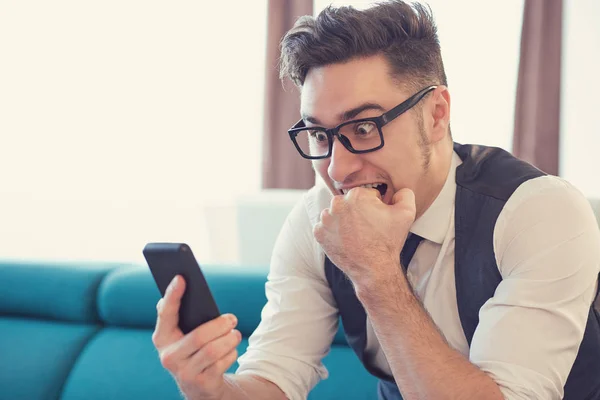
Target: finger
{"points": [[326, 217], [203, 335], [377, 194], [214, 351], [338, 203], [167, 330], [404, 196], [218, 368], [319, 232], [359, 192]]}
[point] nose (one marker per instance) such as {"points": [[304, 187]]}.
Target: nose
{"points": [[342, 163]]}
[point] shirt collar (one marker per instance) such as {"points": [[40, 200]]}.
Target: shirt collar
{"points": [[433, 224]]}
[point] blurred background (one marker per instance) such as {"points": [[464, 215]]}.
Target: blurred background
{"points": [[125, 122]]}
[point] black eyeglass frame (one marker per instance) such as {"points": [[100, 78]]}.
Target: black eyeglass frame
{"points": [[379, 121]]}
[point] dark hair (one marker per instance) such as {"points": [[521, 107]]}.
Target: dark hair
{"points": [[405, 34]]}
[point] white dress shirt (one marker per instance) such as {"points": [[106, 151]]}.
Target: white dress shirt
{"points": [[547, 247]]}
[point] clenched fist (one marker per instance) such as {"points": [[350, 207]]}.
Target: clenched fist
{"points": [[362, 235]]}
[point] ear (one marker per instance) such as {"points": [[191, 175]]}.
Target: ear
{"points": [[440, 113]]}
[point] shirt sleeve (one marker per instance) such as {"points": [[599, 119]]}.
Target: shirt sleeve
{"points": [[299, 321], [547, 246]]}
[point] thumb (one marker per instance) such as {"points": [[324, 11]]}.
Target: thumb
{"points": [[167, 322]]}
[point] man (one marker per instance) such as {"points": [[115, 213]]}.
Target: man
{"points": [[459, 272]]}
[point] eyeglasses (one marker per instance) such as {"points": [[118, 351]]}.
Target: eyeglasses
{"points": [[358, 136]]}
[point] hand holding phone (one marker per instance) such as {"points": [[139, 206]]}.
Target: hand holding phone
{"points": [[166, 260], [198, 361]]}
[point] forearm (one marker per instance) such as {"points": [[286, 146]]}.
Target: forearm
{"points": [[422, 363], [247, 386]]}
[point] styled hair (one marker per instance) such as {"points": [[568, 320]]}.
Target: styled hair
{"points": [[404, 33]]}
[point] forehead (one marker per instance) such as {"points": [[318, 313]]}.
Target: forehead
{"points": [[332, 89]]}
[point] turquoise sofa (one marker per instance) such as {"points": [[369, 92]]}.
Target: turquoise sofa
{"points": [[75, 331]]}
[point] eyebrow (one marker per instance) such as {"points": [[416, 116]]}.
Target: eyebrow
{"points": [[347, 115]]}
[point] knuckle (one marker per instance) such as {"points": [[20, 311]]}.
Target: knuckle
{"points": [[358, 193], [225, 324], [232, 339], [229, 359], [318, 232], [201, 379], [199, 338], [162, 310], [337, 203], [188, 376], [167, 360], [185, 377], [326, 218], [156, 339], [324, 214], [210, 352], [225, 362]]}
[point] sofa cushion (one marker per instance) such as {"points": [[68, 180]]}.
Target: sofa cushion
{"points": [[120, 364], [64, 291], [348, 379], [128, 296], [37, 356], [123, 364]]}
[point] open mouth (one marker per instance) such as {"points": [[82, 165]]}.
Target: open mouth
{"points": [[381, 187]]}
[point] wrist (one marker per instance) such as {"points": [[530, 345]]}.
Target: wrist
{"points": [[191, 392], [385, 282]]}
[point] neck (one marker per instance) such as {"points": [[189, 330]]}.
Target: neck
{"points": [[435, 177]]}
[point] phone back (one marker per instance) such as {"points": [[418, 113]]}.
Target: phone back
{"points": [[169, 259]]}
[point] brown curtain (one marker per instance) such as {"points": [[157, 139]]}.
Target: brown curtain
{"points": [[282, 165], [537, 113]]}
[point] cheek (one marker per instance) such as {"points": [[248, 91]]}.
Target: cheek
{"points": [[320, 167], [400, 162]]}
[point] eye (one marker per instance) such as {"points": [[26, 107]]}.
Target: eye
{"points": [[365, 128], [319, 136]]}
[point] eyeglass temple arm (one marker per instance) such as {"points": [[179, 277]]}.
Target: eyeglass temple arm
{"points": [[407, 105]]}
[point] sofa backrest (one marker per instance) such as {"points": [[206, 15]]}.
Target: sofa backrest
{"points": [[48, 314]]}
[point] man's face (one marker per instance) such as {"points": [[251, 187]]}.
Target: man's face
{"points": [[403, 162]]}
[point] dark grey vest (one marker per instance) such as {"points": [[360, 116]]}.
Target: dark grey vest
{"points": [[485, 180]]}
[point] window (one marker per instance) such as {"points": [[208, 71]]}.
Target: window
{"points": [[117, 121]]}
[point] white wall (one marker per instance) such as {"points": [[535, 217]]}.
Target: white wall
{"points": [[120, 119]]}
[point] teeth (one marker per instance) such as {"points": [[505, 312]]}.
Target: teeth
{"points": [[368, 186], [371, 185]]}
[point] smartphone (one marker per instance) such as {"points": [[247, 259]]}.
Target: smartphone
{"points": [[169, 259]]}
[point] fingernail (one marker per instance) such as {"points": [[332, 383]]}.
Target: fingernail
{"points": [[174, 283], [232, 319]]}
